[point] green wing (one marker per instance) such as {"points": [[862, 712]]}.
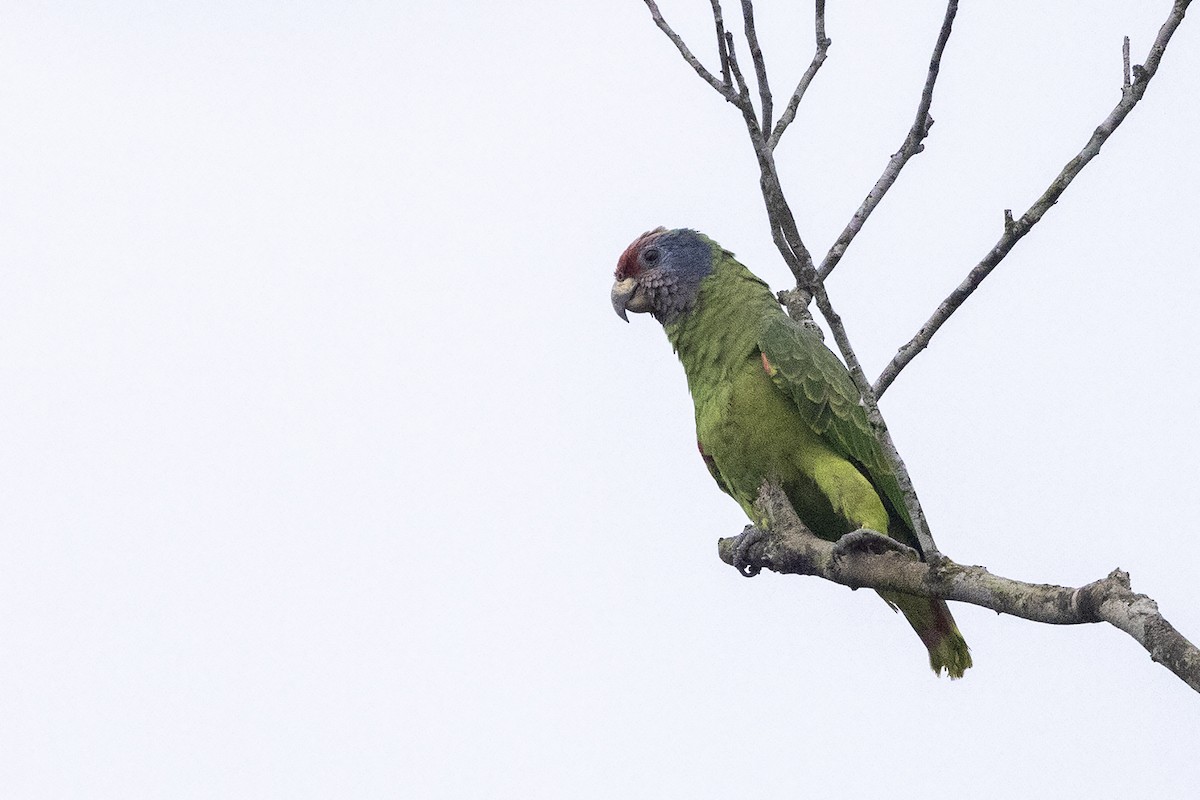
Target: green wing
{"points": [[806, 371]]}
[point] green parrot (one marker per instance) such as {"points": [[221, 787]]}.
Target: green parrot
{"points": [[772, 402]]}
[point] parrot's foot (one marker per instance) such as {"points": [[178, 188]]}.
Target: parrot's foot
{"points": [[749, 537], [873, 542]]}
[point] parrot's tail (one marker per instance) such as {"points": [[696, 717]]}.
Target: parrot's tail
{"points": [[932, 621]]}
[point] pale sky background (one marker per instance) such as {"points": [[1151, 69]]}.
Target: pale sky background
{"points": [[326, 469]]}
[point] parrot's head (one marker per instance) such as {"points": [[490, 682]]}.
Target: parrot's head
{"points": [[660, 273]]}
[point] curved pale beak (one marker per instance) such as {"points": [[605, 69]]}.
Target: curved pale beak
{"points": [[627, 295]]}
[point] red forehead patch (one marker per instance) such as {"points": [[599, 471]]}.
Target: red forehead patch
{"points": [[627, 264]]}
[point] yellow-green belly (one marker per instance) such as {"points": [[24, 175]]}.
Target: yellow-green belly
{"points": [[752, 433]]}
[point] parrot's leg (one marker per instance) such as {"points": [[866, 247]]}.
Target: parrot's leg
{"points": [[865, 540]]}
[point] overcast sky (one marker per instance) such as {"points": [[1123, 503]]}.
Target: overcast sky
{"points": [[326, 469]]}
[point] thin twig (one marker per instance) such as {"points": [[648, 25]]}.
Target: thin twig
{"points": [[743, 90], [760, 65], [908, 148], [790, 548], [742, 98], [818, 59], [724, 89], [1013, 233], [1125, 62], [719, 24]]}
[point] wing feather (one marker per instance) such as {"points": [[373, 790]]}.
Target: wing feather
{"points": [[807, 372]]}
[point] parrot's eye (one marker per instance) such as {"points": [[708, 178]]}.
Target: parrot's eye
{"points": [[651, 255]]}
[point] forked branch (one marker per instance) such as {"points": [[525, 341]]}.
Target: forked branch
{"points": [[1014, 230], [789, 113], [723, 87], [911, 145]]}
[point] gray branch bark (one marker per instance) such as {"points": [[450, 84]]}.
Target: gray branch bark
{"points": [[866, 559], [823, 43], [1015, 230], [911, 145]]}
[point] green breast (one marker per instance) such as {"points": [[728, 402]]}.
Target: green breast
{"points": [[751, 433], [746, 427]]}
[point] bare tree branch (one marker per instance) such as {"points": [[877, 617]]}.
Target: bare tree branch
{"points": [[719, 24], [783, 223], [818, 59], [871, 560], [871, 405], [1015, 231], [911, 145], [760, 66]]}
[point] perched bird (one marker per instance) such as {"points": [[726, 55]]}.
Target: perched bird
{"points": [[772, 402]]}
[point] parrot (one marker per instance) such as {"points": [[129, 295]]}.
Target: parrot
{"points": [[772, 402]]}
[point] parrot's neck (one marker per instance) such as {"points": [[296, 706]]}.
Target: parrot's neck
{"points": [[721, 332]]}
